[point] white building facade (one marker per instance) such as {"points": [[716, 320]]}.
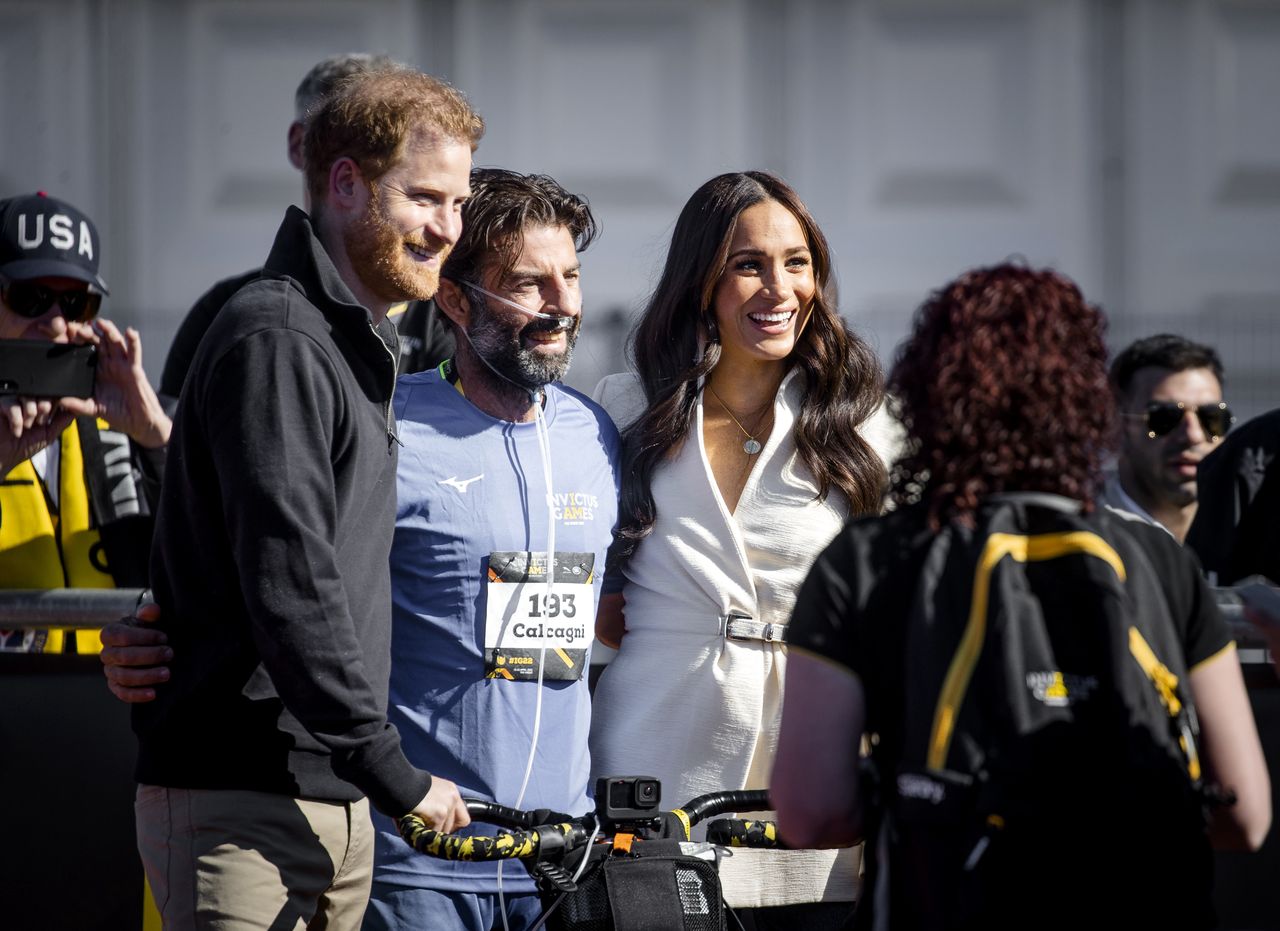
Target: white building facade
{"points": [[1133, 144]]}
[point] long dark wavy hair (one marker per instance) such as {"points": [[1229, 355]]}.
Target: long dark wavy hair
{"points": [[676, 343], [1002, 386]]}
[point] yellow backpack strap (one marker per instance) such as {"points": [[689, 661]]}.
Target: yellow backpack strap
{"points": [[1166, 686]]}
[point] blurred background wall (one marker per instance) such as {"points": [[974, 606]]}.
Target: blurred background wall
{"points": [[1134, 144]]}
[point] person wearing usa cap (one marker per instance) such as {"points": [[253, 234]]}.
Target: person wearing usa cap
{"points": [[80, 475]]}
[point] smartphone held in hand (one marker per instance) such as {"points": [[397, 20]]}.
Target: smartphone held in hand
{"points": [[40, 369]]}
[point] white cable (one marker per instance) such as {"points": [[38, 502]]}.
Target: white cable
{"points": [[544, 450], [577, 874], [595, 832], [502, 899]]}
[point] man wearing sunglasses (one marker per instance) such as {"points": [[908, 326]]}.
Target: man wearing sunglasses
{"points": [[1168, 393], [79, 474]]}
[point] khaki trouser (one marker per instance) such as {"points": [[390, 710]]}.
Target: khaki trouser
{"points": [[242, 861]]}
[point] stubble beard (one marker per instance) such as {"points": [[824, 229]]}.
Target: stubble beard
{"points": [[376, 250], [1150, 473], [505, 351]]}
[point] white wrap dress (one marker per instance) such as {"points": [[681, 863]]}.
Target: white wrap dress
{"points": [[682, 702]]}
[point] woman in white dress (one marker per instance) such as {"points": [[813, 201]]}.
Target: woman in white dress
{"points": [[752, 430]]}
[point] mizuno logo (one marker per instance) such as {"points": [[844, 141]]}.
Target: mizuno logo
{"points": [[461, 484]]}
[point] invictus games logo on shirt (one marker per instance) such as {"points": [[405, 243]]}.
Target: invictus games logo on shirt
{"points": [[1058, 689], [576, 507]]}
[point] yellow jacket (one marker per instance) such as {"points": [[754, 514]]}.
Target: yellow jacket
{"points": [[96, 536]]}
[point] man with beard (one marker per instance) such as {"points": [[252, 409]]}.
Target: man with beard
{"points": [[1168, 391], [482, 664], [273, 531], [424, 336], [501, 466]]}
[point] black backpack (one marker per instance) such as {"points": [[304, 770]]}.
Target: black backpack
{"points": [[1045, 773]]}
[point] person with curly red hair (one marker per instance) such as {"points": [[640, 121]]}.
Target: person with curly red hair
{"points": [[994, 558], [1002, 386]]}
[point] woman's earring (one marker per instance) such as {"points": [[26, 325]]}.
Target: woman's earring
{"points": [[707, 336], [807, 317]]}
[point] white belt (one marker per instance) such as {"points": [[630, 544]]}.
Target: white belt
{"points": [[742, 627]]}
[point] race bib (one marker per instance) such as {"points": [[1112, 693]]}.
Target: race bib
{"points": [[523, 614]]}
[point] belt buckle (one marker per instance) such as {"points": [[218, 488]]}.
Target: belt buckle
{"points": [[755, 630], [727, 621]]}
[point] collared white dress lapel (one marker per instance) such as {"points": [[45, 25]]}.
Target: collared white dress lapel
{"points": [[680, 701]]}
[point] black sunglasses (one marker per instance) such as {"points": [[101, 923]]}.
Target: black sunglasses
{"points": [[31, 299], [1163, 417]]}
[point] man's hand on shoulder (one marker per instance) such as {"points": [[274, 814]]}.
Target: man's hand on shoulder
{"points": [[442, 808], [133, 655]]}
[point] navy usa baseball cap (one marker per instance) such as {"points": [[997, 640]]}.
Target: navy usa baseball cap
{"points": [[41, 236]]}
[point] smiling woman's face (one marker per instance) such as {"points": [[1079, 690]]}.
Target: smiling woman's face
{"points": [[767, 288]]}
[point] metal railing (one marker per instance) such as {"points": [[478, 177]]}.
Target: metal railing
{"points": [[21, 609], [24, 608]]}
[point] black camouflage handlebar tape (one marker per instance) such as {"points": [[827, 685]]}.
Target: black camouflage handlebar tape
{"points": [[539, 843], [740, 832]]}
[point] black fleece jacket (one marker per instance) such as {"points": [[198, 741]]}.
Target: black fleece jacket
{"points": [[272, 538], [425, 337]]}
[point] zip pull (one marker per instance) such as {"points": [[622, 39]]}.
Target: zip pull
{"points": [[995, 823]]}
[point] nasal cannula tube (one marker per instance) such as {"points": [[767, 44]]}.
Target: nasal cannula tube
{"points": [[563, 321]]}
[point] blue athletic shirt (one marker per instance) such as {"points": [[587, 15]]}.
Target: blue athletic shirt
{"points": [[470, 485]]}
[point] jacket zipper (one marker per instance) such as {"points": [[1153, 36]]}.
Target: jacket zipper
{"points": [[391, 433]]}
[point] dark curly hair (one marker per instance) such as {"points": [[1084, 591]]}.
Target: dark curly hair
{"points": [[502, 205], [675, 344], [1002, 386]]}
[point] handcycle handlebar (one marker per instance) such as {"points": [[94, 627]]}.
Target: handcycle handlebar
{"points": [[536, 842], [735, 832], [544, 842], [501, 815], [717, 803], [743, 832]]}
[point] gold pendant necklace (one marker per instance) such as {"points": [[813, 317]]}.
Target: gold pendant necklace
{"points": [[750, 445]]}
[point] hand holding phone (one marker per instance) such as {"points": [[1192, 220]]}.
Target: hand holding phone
{"points": [[98, 374]]}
